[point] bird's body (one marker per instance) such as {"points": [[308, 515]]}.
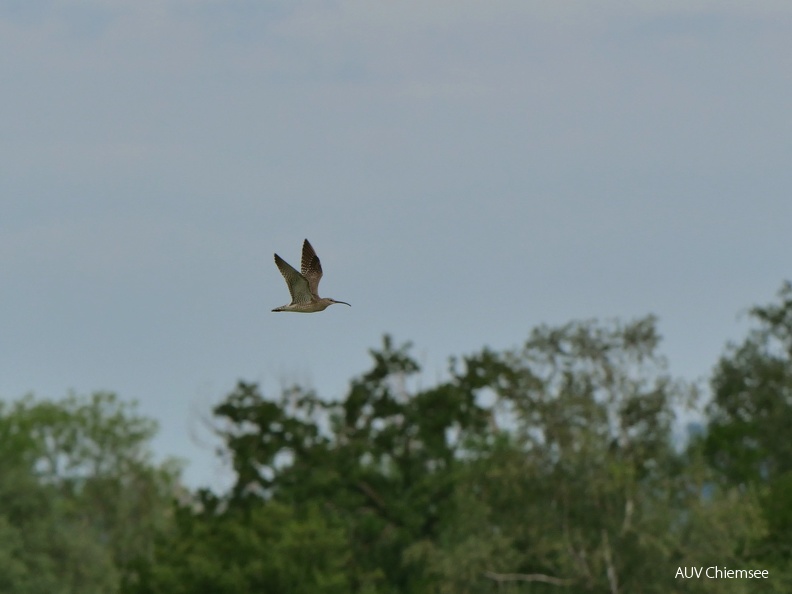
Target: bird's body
{"points": [[303, 286]]}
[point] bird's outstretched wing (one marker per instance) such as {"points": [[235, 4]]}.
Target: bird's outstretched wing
{"points": [[311, 267], [298, 285]]}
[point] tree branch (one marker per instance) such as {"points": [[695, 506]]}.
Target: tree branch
{"points": [[579, 558], [373, 496], [612, 578], [528, 577], [628, 512]]}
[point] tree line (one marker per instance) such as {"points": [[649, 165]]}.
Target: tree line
{"points": [[554, 467]]}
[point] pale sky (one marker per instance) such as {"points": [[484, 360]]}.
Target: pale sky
{"points": [[465, 170]]}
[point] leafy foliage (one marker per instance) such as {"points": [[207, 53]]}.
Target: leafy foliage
{"points": [[750, 414], [79, 496], [550, 467]]}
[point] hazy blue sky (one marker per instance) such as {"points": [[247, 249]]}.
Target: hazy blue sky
{"points": [[465, 170]]}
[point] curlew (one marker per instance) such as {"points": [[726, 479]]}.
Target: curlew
{"points": [[304, 287]]}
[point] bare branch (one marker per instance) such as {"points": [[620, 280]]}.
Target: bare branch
{"points": [[612, 578], [528, 577], [628, 512], [372, 495], [578, 557]]}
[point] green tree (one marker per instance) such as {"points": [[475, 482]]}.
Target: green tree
{"points": [[43, 549], [550, 466], [382, 461], [262, 548], [751, 407], [750, 414], [581, 485], [79, 495]]}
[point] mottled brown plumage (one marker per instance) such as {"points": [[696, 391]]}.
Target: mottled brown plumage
{"points": [[304, 286]]}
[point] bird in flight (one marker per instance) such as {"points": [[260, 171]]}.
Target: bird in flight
{"points": [[304, 286]]}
